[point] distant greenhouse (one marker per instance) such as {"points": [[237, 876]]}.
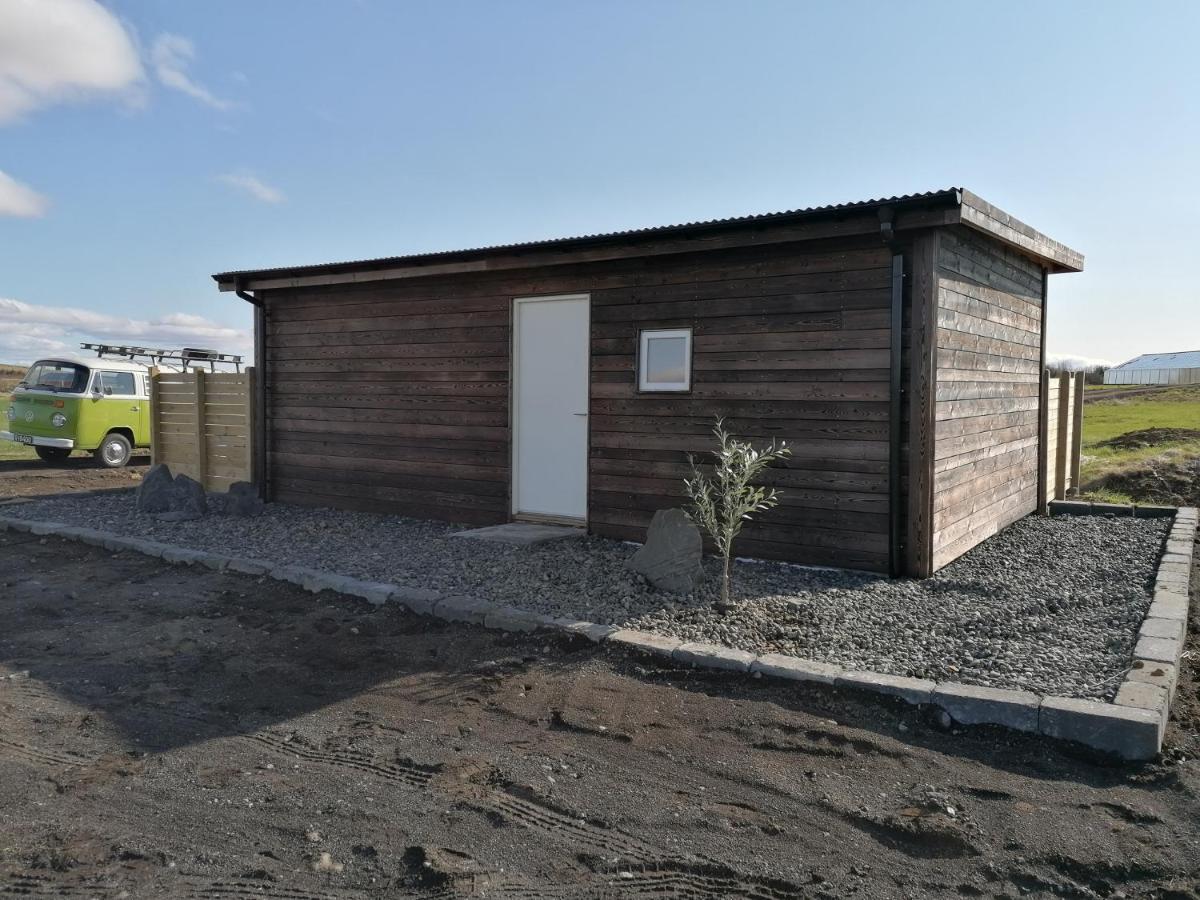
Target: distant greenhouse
{"points": [[1157, 368]]}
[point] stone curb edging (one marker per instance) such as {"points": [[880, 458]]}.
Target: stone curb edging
{"points": [[1131, 727]]}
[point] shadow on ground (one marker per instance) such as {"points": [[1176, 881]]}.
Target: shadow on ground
{"points": [[175, 732]]}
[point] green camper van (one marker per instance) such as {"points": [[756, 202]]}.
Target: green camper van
{"points": [[100, 404]]}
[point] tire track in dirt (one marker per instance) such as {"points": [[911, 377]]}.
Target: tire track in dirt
{"points": [[616, 863], [201, 889], [660, 880], [36, 756]]}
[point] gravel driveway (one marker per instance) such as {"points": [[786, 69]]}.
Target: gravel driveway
{"points": [[1049, 605]]}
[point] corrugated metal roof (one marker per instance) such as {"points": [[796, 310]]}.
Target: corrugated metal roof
{"points": [[1186, 359], [950, 194]]}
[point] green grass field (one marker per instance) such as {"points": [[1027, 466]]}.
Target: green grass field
{"points": [[1161, 466]]}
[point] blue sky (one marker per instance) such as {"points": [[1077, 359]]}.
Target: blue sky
{"points": [[146, 144]]}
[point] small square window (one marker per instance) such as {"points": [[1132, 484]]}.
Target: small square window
{"points": [[117, 383], [665, 360]]}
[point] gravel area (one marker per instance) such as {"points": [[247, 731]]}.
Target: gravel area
{"points": [[1050, 605]]}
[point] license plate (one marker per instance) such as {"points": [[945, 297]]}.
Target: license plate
{"points": [[23, 438]]}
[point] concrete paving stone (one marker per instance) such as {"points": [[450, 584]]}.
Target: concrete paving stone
{"points": [[1179, 546], [521, 534], [376, 593], [713, 656], [1175, 562], [590, 630], [150, 548], [1171, 629], [1127, 731], [911, 690], [460, 608], [248, 566], [1164, 675], [292, 574], [218, 562], [1176, 583], [1141, 695], [1157, 649], [1168, 605], [182, 556], [46, 528], [91, 537], [509, 618], [971, 704], [328, 581], [644, 641], [416, 600], [794, 668], [117, 543]]}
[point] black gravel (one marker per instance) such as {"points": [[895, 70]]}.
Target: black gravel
{"points": [[1050, 605]]}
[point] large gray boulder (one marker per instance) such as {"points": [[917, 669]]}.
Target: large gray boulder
{"points": [[155, 491], [243, 500], [188, 498], [670, 558]]}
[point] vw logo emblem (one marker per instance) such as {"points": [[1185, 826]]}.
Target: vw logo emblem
{"points": [[29, 415]]}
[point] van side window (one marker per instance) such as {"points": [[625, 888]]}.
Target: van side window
{"points": [[119, 384]]}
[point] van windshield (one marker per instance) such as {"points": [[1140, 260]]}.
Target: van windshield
{"points": [[48, 375]]}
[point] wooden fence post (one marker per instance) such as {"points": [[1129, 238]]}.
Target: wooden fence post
{"points": [[1077, 430], [1065, 406], [198, 423], [155, 414]]}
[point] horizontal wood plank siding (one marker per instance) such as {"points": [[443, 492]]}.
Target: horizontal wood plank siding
{"points": [[394, 396], [989, 334], [794, 349]]}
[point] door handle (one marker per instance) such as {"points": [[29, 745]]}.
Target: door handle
{"points": [[579, 414], [134, 408]]}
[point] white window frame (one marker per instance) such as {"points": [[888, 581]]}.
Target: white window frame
{"points": [[644, 338]]}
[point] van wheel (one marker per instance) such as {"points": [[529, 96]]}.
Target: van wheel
{"points": [[52, 454], [114, 452]]}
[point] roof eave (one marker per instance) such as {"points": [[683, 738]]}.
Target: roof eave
{"points": [[977, 213], [909, 213]]}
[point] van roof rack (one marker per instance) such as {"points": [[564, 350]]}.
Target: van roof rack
{"points": [[187, 355]]}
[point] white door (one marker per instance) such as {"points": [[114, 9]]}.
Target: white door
{"points": [[550, 404]]}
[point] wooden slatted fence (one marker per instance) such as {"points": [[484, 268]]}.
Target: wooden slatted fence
{"points": [[1062, 438], [202, 424]]}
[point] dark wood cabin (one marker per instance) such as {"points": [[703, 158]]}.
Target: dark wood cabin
{"points": [[896, 345]]}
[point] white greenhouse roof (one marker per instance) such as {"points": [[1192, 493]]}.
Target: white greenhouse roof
{"points": [[1188, 359]]}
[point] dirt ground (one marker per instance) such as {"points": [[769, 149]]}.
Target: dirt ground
{"points": [[167, 732], [34, 478]]}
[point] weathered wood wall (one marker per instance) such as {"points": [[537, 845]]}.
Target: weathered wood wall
{"points": [[989, 333], [794, 347], [202, 424], [394, 396]]}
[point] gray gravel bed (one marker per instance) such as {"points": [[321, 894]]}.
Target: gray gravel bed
{"points": [[1051, 605]]}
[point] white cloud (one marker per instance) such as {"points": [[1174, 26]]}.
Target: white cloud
{"points": [[252, 186], [29, 331], [58, 50], [171, 55], [20, 200]]}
